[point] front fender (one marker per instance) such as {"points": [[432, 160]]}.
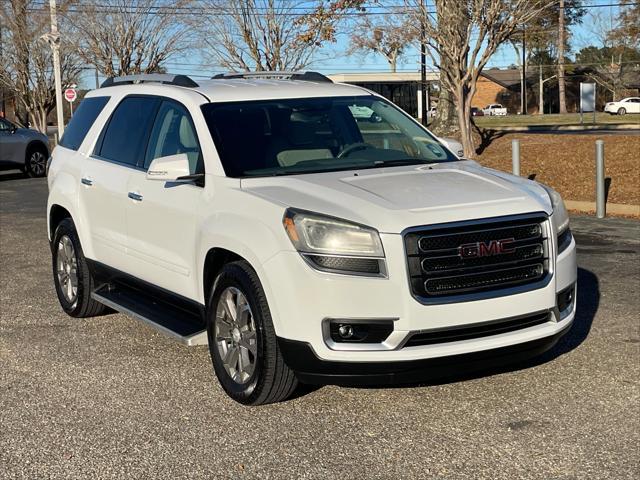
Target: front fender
{"points": [[255, 241]]}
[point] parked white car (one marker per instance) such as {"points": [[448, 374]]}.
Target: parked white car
{"points": [[494, 109], [624, 106], [266, 215]]}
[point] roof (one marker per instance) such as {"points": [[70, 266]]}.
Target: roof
{"points": [[505, 78], [227, 90], [240, 86]]}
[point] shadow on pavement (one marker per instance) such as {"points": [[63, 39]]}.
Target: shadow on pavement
{"points": [[588, 298]]}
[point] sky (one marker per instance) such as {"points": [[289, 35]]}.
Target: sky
{"points": [[334, 58]]}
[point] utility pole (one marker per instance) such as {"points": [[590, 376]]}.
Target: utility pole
{"points": [[3, 112], [97, 84], [423, 72], [523, 89], [53, 39]]}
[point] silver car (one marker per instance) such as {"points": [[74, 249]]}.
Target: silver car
{"points": [[23, 148]]}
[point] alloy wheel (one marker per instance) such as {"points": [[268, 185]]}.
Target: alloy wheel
{"points": [[67, 269], [235, 335], [37, 163]]}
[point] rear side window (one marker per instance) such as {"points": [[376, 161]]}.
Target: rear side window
{"points": [[124, 139], [81, 121]]}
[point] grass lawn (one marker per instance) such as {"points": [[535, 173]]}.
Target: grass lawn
{"points": [[567, 163], [555, 119]]}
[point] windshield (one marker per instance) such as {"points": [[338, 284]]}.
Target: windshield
{"points": [[310, 135]]}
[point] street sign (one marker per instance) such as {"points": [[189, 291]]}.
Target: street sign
{"points": [[70, 95]]}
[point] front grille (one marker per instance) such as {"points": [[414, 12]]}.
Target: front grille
{"points": [[468, 332], [456, 259]]}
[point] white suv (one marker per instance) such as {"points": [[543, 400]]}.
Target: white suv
{"points": [[307, 231]]}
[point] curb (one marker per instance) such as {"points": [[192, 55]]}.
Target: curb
{"points": [[568, 128], [612, 208]]}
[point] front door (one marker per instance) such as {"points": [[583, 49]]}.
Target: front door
{"points": [[161, 216]]}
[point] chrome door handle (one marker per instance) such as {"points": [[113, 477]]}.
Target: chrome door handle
{"points": [[135, 196], [86, 181]]}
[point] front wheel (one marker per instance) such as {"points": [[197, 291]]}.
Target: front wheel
{"points": [[242, 341], [622, 111], [36, 162]]}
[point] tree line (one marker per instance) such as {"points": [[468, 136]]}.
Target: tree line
{"points": [[122, 37]]}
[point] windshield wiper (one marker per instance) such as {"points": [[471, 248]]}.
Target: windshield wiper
{"points": [[401, 161]]}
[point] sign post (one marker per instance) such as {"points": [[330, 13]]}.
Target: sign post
{"points": [[587, 100], [70, 95]]}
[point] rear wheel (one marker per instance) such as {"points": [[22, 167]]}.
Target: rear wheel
{"points": [[242, 341], [36, 161], [71, 274], [622, 111]]}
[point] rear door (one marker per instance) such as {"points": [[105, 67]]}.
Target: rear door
{"points": [[161, 216], [105, 175]]}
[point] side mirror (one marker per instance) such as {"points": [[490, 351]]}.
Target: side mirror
{"points": [[453, 145], [172, 168]]}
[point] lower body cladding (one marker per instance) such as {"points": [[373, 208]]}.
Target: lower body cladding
{"points": [[348, 330]]}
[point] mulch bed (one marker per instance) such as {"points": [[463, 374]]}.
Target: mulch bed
{"points": [[567, 162]]}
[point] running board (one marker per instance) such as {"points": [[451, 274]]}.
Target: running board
{"points": [[164, 317]]}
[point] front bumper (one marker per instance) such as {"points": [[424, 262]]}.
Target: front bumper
{"points": [[302, 299], [311, 369]]}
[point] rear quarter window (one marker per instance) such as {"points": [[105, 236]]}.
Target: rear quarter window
{"points": [[81, 121]]}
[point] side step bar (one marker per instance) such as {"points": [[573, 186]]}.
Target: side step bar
{"points": [[164, 317]]}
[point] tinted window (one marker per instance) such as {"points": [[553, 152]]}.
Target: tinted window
{"points": [[81, 121], [173, 133], [4, 125], [307, 135], [125, 137]]}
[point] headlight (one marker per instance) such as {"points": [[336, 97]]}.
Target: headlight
{"points": [[335, 245], [559, 219]]}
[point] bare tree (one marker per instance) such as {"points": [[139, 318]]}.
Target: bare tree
{"points": [[466, 51], [389, 36], [125, 37], [261, 35], [26, 66], [612, 57]]}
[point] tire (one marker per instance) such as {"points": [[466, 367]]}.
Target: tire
{"points": [[35, 162], [268, 379], [622, 111], [77, 304]]}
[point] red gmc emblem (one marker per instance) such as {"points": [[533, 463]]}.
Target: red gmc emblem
{"points": [[482, 249]]}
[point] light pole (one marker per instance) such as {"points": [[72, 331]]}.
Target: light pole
{"points": [[541, 91], [53, 39]]}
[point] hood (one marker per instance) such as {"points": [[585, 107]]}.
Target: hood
{"points": [[392, 199]]}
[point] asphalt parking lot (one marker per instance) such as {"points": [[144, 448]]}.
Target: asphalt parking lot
{"points": [[109, 397]]}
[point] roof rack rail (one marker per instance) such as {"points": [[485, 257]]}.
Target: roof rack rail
{"points": [[165, 78], [283, 75]]}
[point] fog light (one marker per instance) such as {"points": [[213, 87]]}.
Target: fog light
{"points": [[565, 300], [359, 331], [345, 331]]}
